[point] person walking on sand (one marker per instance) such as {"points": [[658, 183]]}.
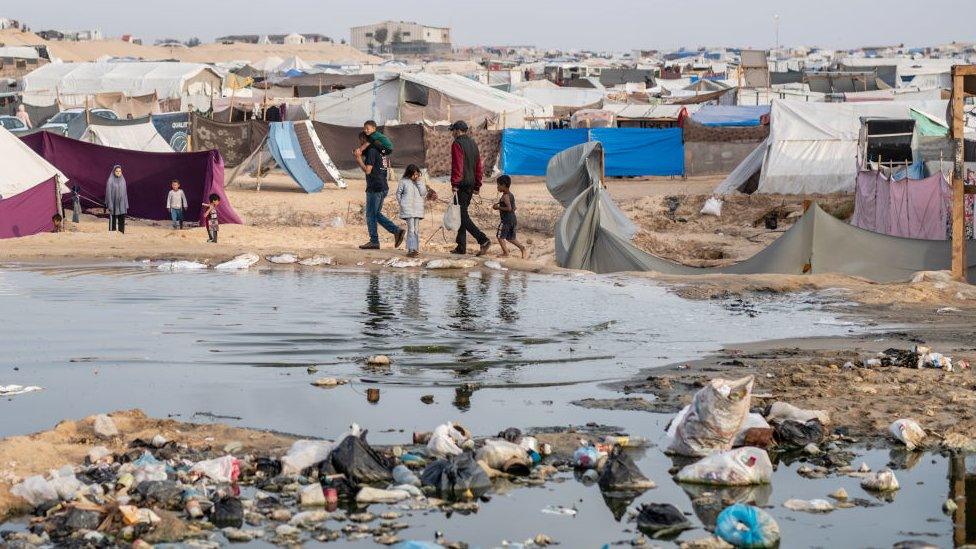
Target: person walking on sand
{"points": [[176, 204], [210, 214], [508, 222], [116, 199], [374, 166], [23, 116], [466, 174], [411, 194]]}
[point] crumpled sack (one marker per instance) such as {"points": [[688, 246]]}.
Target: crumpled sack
{"points": [[146, 467], [909, 432], [795, 434], [660, 520], [930, 359], [304, 454], [222, 469], [716, 413], [752, 421], [503, 455], [446, 440], [747, 526], [738, 467], [782, 411], [882, 481], [457, 477], [713, 207], [621, 474]]}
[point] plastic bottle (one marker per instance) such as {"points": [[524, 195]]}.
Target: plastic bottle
{"points": [[626, 441]]}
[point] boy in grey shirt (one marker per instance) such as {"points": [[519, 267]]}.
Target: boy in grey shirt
{"points": [[176, 204]]}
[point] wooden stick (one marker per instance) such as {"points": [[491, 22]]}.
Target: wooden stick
{"points": [[260, 162], [958, 176]]}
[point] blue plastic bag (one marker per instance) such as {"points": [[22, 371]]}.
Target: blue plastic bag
{"points": [[747, 526]]}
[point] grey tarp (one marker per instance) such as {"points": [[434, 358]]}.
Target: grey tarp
{"points": [[590, 236], [339, 141], [746, 172]]}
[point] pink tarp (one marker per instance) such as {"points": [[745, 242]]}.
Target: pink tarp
{"points": [[147, 175], [910, 208], [29, 212]]}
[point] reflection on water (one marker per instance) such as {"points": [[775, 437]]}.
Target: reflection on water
{"points": [[962, 483]]}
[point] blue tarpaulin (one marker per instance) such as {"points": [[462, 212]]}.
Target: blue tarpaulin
{"points": [[728, 115], [527, 152], [629, 151], [287, 152], [641, 151]]}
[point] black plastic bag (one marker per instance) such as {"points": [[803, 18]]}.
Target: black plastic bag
{"points": [[621, 474], [358, 461], [457, 477], [661, 520], [270, 467], [511, 434], [161, 493], [227, 511], [795, 434]]}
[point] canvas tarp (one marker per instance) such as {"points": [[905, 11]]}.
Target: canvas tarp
{"points": [[286, 148], [745, 177], [630, 151], [716, 157], [438, 142], [133, 137], [173, 127], [928, 125], [125, 106], [732, 115], [339, 141], [235, 141], [909, 208], [818, 242], [147, 174], [316, 154], [22, 168], [30, 211], [72, 82], [696, 132], [39, 115]]}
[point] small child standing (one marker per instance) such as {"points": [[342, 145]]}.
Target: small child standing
{"points": [[411, 194], [176, 204], [210, 214], [506, 210]]}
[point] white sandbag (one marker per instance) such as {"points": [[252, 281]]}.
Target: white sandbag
{"points": [[316, 261], [175, 266], [282, 259], [752, 421], [909, 432], [241, 262], [446, 440], [304, 454], [451, 264], [739, 467], [401, 263], [713, 206], [368, 494], [717, 412], [499, 454], [676, 420], [811, 506], [782, 411], [882, 481]]}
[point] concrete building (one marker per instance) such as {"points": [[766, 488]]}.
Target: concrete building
{"points": [[401, 37]]}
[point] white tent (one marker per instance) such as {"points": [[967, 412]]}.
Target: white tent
{"points": [[425, 97], [22, 168], [812, 147], [73, 82], [562, 97], [293, 63], [134, 137], [268, 64]]}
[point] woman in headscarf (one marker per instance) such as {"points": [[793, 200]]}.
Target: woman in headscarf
{"points": [[116, 200]]}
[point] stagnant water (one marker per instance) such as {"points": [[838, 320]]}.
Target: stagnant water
{"points": [[235, 346]]}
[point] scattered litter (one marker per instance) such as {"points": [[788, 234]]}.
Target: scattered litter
{"points": [[929, 359], [839, 494], [621, 474], [368, 494], [402, 263], [714, 418], [495, 265], [337, 222], [316, 261], [11, 390], [811, 506], [457, 477], [713, 207], [752, 421], [738, 467], [243, 261], [661, 520], [747, 526], [180, 266], [447, 440], [282, 259], [451, 264], [505, 456], [378, 360], [882, 481], [588, 457], [908, 432], [304, 454], [329, 382], [559, 510], [782, 411], [222, 469], [795, 434]]}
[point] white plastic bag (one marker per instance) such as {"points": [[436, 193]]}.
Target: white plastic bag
{"points": [[304, 454], [882, 481], [36, 490], [501, 454], [811, 506], [446, 440], [222, 469], [368, 494], [740, 467], [782, 411], [452, 216], [243, 261], [713, 206], [716, 414], [909, 432]]}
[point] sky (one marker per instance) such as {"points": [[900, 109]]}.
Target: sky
{"points": [[620, 25]]}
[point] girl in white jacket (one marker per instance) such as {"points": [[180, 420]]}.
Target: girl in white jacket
{"points": [[411, 194]]}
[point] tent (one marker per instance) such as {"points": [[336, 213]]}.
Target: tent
{"points": [[147, 174], [425, 97], [293, 64], [408, 144], [813, 147], [297, 149], [630, 151], [30, 211], [591, 235], [134, 135], [564, 101], [235, 141], [71, 83], [268, 64], [22, 168]]}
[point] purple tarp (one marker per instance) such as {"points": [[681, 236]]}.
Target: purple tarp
{"points": [[29, 212], [147, 175], [909, 208]]}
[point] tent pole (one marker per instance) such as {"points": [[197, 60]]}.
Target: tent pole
{"points": [[230, 111], [87, 112], [189, 133], [957, 124], [57, 197], [260, 163]]}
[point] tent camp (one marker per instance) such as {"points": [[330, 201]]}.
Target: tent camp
{"points": [[564, 101], [424, 97], [147, 175], [593, 235], [813, 147], [71, 83]]}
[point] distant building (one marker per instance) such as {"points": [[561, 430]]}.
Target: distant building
{"points": [[296, 38], [401, 37], [73, 36], [9, 23], [238, 39]]}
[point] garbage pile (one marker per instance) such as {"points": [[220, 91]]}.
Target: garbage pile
{"points": [[918, 357], [161, 491]]}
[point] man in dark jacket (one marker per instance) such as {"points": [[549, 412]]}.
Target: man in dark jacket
{"points": [[466, 175]]}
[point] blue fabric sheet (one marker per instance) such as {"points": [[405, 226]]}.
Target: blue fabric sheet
{"points": [[728, 115], [284, 146], [527, 152], [629, 151]]}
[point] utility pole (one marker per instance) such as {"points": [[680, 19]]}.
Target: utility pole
{"points": [[963, 83]]}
